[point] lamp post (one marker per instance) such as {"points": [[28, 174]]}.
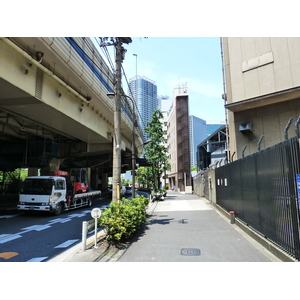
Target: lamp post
{"points": [[135, 65], [136, 81], [133, 147]]}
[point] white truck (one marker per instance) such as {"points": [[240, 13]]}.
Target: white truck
{"points": [[55, 193]]}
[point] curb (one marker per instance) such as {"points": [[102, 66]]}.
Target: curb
{"points": [[68, 254]]}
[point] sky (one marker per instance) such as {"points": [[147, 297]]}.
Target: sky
{"points": [[175, 61]]}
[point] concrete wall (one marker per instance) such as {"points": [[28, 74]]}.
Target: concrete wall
{"points": [[205, 185], [269, 121]]}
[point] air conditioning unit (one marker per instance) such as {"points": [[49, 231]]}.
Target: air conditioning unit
{"points": [[246, 127]]}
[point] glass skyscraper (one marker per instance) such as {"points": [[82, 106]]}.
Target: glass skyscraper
{"points": [[144, 91], [197, 135]]}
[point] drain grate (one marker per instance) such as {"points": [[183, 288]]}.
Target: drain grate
{"points": [[190, 252]]}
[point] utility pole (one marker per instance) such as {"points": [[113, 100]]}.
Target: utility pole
{"points": [[117, 124], [133, 149], [120, 53]]}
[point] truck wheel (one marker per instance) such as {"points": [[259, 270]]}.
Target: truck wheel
{"points": [[58, 209]]}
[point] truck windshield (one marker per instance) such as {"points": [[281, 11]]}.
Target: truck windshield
{"points": [[37, 186]]}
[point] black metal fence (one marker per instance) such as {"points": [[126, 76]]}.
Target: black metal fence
{"points": [[262, 189]]}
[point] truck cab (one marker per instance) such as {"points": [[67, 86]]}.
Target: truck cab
{"points": [[43, 193]]}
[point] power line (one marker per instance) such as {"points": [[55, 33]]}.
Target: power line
{"points": [[102, 45]]}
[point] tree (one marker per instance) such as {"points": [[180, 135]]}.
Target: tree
{"points": [[155, 150], [144, 176]]}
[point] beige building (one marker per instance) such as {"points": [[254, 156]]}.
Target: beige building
{"points": [[262, 80], [177, 139]]}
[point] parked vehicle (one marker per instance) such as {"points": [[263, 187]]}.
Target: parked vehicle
{"points": [[158, 195], [123, 190], [108, 191], [56, 193], [128, 190]]}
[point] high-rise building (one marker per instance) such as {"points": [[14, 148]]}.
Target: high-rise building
{"points": [[144, 91], [198, 133]]}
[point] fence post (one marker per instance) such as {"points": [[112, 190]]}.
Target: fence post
{"points": [[243, 152], [259, 142], [232, 217], [297, 127], [287, 128], [84, 234]]}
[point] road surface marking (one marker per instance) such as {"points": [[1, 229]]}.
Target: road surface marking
{"points": [[66, 244], [4, 238], [37, 259], [60, 220], [36, 227], [77, 215], [8, 255], [9, 216]]}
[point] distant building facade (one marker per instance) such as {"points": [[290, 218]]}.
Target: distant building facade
{"points": [[262, 76], [144, 90], [164, 103], [178, 144], [212, 150], [212, 126]]}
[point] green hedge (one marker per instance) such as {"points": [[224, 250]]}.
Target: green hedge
{"points": [[122, 219]]}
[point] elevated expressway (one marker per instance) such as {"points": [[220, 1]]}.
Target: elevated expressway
{"points": [[54, 108]]}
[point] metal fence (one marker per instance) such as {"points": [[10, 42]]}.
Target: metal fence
{"points": [[262, 190]]}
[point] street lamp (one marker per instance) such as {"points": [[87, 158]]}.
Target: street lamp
{"points": [[133, 147], [135, 64]]}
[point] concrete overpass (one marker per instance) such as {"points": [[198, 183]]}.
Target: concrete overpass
{"points": [[54, 108]]}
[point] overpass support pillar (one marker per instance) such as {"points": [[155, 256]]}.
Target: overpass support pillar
{"points": [[98, 181], [51, 168]]}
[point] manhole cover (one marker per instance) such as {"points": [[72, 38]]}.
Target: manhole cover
{"points": [[190, 252], [183, 221]]}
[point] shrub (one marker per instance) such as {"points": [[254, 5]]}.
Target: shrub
{"points": [[122, 219]]}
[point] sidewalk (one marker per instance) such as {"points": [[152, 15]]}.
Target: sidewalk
{"points": [[180, 228]]}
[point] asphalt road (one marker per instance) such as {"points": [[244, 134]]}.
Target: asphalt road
{"points": [[186, 228], [34, 237]]}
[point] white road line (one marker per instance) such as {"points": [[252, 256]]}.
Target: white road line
{"points": [[37, 259], [4, 238], [36, 227], [66, 244], [60, 220], [9, 216], [77, 215]]}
